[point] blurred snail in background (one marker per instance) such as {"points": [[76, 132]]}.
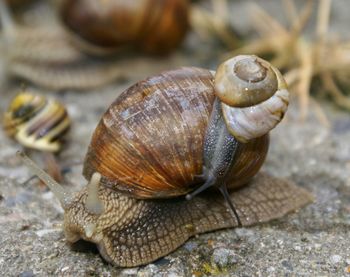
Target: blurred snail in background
{"points": [[172, 135], [153, 26], [26, 51], [36, 122], [39, 123]]}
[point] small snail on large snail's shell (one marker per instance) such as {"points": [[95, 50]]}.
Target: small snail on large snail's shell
{"points": [[175, 134], [102, 27]]}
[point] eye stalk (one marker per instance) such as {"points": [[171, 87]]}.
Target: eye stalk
{"points": [[62, 194], [94, 204]]}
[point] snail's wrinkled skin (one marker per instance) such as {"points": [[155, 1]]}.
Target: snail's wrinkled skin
{"points": [[133, 232]]}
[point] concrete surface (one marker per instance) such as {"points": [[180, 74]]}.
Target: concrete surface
{"points": [[312, 242]]}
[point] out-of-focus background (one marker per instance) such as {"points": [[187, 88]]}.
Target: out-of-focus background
{"points": [[309, 41]]}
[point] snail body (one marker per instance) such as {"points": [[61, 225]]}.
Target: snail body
{"points": [[159, 140]]}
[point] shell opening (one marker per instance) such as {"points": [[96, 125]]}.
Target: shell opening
{"points": [[93, 203], [62, 194]]}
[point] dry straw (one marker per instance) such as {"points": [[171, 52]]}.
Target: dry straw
{"points": [[319, 61]]}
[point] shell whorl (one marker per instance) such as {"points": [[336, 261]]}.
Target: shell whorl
{"points": [[36, 122], [254, 96], [148, 142]]}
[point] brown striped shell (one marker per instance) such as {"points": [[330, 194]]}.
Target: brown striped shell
{"points": [[37, 122], [103, 26], [149, 143]]}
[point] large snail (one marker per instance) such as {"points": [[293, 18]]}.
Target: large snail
{"points": [[166, 136], [102, 27]]}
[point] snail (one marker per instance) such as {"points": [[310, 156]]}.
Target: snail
{"points": [[39, 123], [172, 135], [36, 122], [26, 52], [156, 27]]}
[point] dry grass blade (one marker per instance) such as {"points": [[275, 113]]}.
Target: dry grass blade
{"points": [[305, 76], [265, 24], [208, 24], [333, 89]]}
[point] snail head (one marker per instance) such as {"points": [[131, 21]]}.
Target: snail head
{"points": [[90, 210]]}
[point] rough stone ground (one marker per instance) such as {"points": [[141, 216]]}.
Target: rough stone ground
{"points": [[312, 242]]}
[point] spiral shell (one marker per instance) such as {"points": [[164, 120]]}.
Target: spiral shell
{"points": [[245, 81], [254, 96], [102, 27], [36, 122], [149, 143]]}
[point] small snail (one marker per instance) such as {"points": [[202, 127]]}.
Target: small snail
{"points": [[38, 123], [171, 135], [155, 27]]}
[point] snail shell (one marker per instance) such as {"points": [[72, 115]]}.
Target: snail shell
{"points": [[102, 27], [149, 143], [260, 97], [36, 122]]}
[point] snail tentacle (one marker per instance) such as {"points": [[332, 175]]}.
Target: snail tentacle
{"points": [[229, 201], [93, 203], [211, 181], [62, 194]]}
